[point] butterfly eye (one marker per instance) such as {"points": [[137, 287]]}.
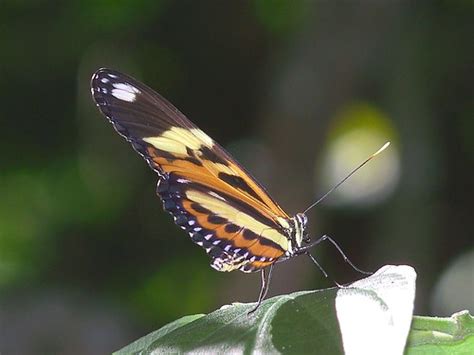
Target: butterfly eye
{"points": [[302, 220]]}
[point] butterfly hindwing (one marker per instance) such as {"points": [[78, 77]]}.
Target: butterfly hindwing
{"points": [[217, 222], [208, 193]]}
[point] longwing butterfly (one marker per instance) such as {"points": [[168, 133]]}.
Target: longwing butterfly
{"points": [[211, 196]]}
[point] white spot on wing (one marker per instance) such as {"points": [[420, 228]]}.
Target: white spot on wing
{"points": [[216, 266], [125, 92]]}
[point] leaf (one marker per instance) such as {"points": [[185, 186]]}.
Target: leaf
{"points": [[375, 313], [144, 342], [434, 335], [300, 322]]}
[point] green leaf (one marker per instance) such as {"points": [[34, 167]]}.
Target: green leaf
{"points": [[300, 322], [434, 335], [145, 342], [231, 329]]}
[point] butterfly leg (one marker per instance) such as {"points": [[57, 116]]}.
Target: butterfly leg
{"points": [[346, 259], [316, 263], [264, 289], [304, 250]]}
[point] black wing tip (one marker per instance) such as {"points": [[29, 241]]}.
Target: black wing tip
{"points": [[99, 73], [111, 74], [102, 73], [104, 79], [103, 70], [102, 84]]}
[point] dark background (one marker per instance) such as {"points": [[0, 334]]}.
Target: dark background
{"points": [[299, 92]]}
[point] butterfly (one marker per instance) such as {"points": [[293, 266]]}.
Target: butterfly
{"points": [[208, 193]]}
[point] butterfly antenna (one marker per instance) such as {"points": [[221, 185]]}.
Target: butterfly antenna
{"points": [[349, 175]]}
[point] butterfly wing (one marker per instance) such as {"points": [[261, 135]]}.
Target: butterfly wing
{"points": [[209, 194]]}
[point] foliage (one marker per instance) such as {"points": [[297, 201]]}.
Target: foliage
{"points": [[434, 335], [78, 213], [456, 335], [378, 309]]}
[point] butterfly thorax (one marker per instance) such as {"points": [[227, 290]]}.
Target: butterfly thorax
{"points": [[299, 222]]}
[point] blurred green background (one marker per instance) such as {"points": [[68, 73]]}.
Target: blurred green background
{"points": [[300, 92]]}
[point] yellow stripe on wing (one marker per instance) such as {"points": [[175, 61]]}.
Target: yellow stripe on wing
{"points": [[239, 218], [193, 145], [177, 139]]}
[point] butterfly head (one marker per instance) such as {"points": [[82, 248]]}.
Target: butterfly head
{"points": [[300, 221]]}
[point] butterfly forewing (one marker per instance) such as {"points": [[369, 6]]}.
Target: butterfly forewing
{"points": [[208, 193]]}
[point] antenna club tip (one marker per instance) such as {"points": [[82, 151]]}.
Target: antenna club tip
{"points": [[348, 176], [381, 149]]}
